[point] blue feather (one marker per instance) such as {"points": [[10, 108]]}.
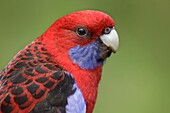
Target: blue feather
{"points": [[86, 56]]}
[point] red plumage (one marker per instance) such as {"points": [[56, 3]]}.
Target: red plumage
{"points": [[94, 21], [23, 74], [47, 55]]}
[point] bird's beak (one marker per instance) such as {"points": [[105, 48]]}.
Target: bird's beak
{"points": [[111, 40]]}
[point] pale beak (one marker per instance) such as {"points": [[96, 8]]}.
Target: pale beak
{"points": [[111, 40]]}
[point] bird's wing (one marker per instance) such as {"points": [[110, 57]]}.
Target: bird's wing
{"points": [[35, 85]]}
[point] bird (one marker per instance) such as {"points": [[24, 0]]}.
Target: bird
{"points": [[59, 71]]}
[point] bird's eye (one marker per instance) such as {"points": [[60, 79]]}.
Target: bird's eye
{"points": [[107, 30], [81, 32]]}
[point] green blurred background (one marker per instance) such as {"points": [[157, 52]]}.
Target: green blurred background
{"points": [[137, 78]]}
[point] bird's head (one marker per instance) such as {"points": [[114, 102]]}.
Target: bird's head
{"points": [[86, 38]]}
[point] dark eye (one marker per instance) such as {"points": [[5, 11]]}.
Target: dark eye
{"points": [[107, 30], [81, 31]]}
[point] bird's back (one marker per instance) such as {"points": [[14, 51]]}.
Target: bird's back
{"points": [[31, 82]]}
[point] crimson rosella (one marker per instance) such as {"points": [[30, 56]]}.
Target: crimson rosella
{"points": [[59, 72]]}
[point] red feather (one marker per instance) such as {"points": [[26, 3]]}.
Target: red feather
{"points": [[21, 88], [27, 79]]}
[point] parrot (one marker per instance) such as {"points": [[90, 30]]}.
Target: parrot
{"points": [[59, 71]]}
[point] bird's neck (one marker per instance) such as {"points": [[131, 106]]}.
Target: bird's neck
{"points": [[88, 83]]}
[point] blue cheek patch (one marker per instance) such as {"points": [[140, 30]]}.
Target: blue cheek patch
{"points": [[86, 56]]}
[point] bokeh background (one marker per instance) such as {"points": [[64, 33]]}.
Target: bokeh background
{"points": [[137, 78]]}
